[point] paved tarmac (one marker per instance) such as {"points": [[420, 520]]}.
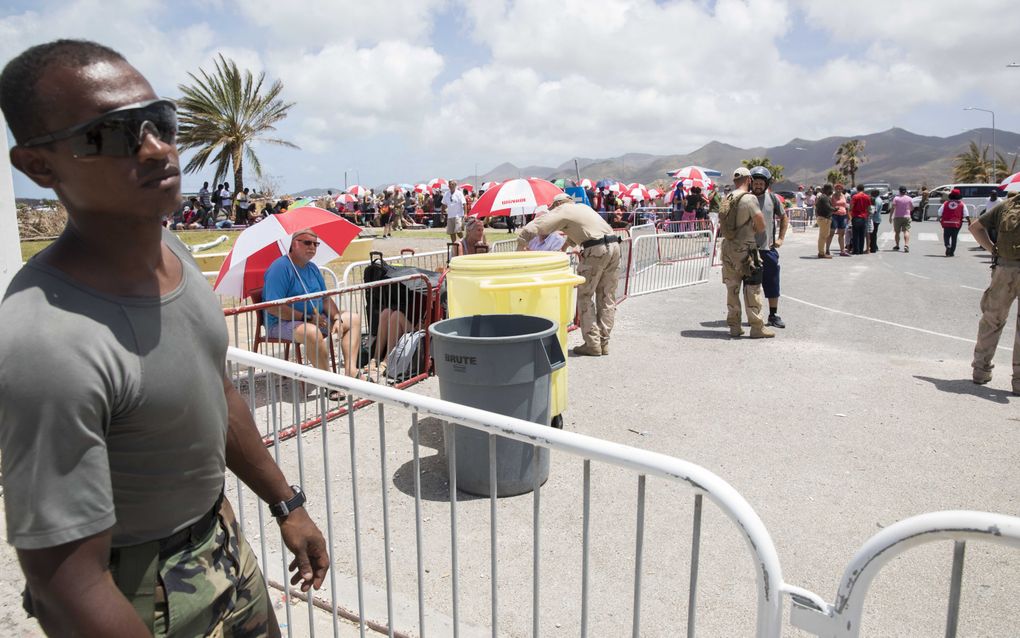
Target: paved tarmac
{"points": [[859, 414]]}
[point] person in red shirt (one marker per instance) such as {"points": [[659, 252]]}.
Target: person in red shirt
{"points": [[860, 209], [951, 215]]}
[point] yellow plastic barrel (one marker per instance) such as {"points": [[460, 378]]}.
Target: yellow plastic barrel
{"points": [[524, 283]]}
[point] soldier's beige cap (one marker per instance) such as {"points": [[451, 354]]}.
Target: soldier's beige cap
{"points": [[741, 172]]}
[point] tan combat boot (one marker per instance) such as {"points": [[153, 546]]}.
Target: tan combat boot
{"points": [[586, 351], [763, 333], [605, 348]]}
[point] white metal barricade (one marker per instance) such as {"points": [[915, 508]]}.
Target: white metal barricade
{"points": [[842, 619], [797, 216], [669, 260], [408, 552], [435, 261], [503, 246]]}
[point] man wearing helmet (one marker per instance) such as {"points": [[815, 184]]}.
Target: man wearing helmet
{"points": [[768, 241], [740, 220]]}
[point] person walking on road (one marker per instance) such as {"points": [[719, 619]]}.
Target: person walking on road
{"points": [[770, 239], [951, 215], [600, 265], [899, 215], [1002, 291], [823, 216], [740, 219]]}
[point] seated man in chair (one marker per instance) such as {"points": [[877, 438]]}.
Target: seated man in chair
{"points": [[310, 322]]}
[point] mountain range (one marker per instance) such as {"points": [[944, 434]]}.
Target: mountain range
{"points": [[896, 156]]}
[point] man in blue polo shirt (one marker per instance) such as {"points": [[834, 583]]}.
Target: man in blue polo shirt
{"points": [[308, 322]]}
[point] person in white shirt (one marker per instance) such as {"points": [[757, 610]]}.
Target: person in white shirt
{"points": [[454, 203], [226, 198], [551, 242]]}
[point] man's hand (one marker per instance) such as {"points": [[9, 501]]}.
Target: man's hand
{"points": [[778, 242], [304, 540]]}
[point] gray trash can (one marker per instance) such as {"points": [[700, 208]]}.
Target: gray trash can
{"points": [[503, 364]]}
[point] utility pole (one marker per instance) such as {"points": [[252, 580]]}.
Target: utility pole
{"points": [[994, 172], [10, 238]]}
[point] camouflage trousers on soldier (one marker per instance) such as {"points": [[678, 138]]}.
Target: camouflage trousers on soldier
{"points": [[596, 297], [734, 269], [995, 304], [212, 587]]}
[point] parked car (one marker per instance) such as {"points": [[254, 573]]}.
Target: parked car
{"points": [[974, 195], [884, 189]]}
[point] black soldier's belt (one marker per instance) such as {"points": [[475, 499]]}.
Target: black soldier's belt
{"points": [[190, 534], [183, 537], [604, 240]]}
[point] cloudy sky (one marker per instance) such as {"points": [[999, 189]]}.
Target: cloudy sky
{"points": [[407, 90]]}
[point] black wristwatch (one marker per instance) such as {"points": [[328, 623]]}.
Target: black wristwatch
{"points": [[283, 508]]}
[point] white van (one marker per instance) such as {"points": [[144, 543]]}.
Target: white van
{"points": [[974, 195]]}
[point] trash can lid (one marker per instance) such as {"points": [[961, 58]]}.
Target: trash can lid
{"points": [[493, 328], [521, 262]]}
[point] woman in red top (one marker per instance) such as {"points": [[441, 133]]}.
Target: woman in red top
{"points": [[952, 213]]}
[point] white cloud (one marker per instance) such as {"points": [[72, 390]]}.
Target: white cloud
{"points": [[313, 23], [343, 91]]}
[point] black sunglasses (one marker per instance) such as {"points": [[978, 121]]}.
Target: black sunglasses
{"points": [[309, 242], [118, 133]]}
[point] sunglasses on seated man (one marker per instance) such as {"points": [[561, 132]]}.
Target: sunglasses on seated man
{"points": [[117, 133]]}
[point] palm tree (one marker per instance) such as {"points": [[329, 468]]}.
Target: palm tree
{"points": [[833, 176], [849, 158], [223, 113], [775, 169], [971, 165]]}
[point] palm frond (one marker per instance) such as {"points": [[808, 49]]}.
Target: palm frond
{"points": [[225, 110]]}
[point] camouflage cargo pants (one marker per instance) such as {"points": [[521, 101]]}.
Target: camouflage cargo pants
{"points": [[596, 297], [734, 269], [1003, 290], [212, 587]]}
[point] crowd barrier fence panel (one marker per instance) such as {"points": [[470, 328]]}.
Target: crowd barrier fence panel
{"points": [[399, 552], [665, 261], [842, 619], [503, 246], [390, 315], [798, 218], [435, 261]]}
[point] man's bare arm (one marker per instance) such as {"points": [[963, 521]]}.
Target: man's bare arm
{"points": [[980, 234], [73, 592], [248, 458]]}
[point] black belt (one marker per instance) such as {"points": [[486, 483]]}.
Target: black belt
{"points": [[186, 536], [605, 239]]}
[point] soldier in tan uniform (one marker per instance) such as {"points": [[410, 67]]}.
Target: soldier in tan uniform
{"points": [[600, 265], [1003, 290], [739, 255]]}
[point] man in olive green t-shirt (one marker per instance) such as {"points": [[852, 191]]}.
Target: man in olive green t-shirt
{"points": [[118, 420]]}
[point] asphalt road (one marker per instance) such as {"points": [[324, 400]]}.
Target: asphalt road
{"points": [[859, 414]]}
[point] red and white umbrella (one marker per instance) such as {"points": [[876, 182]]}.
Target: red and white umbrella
{"points": [[422, 188], [618, 187], [345, 198], [468, 187], [487, 186], [691, 172], [1011, 184], [638, 192], [439, 184], [703, 183], [515, 197], [653, 193], [586, 183], [258, 246], [358, 190], [634, 185]]}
